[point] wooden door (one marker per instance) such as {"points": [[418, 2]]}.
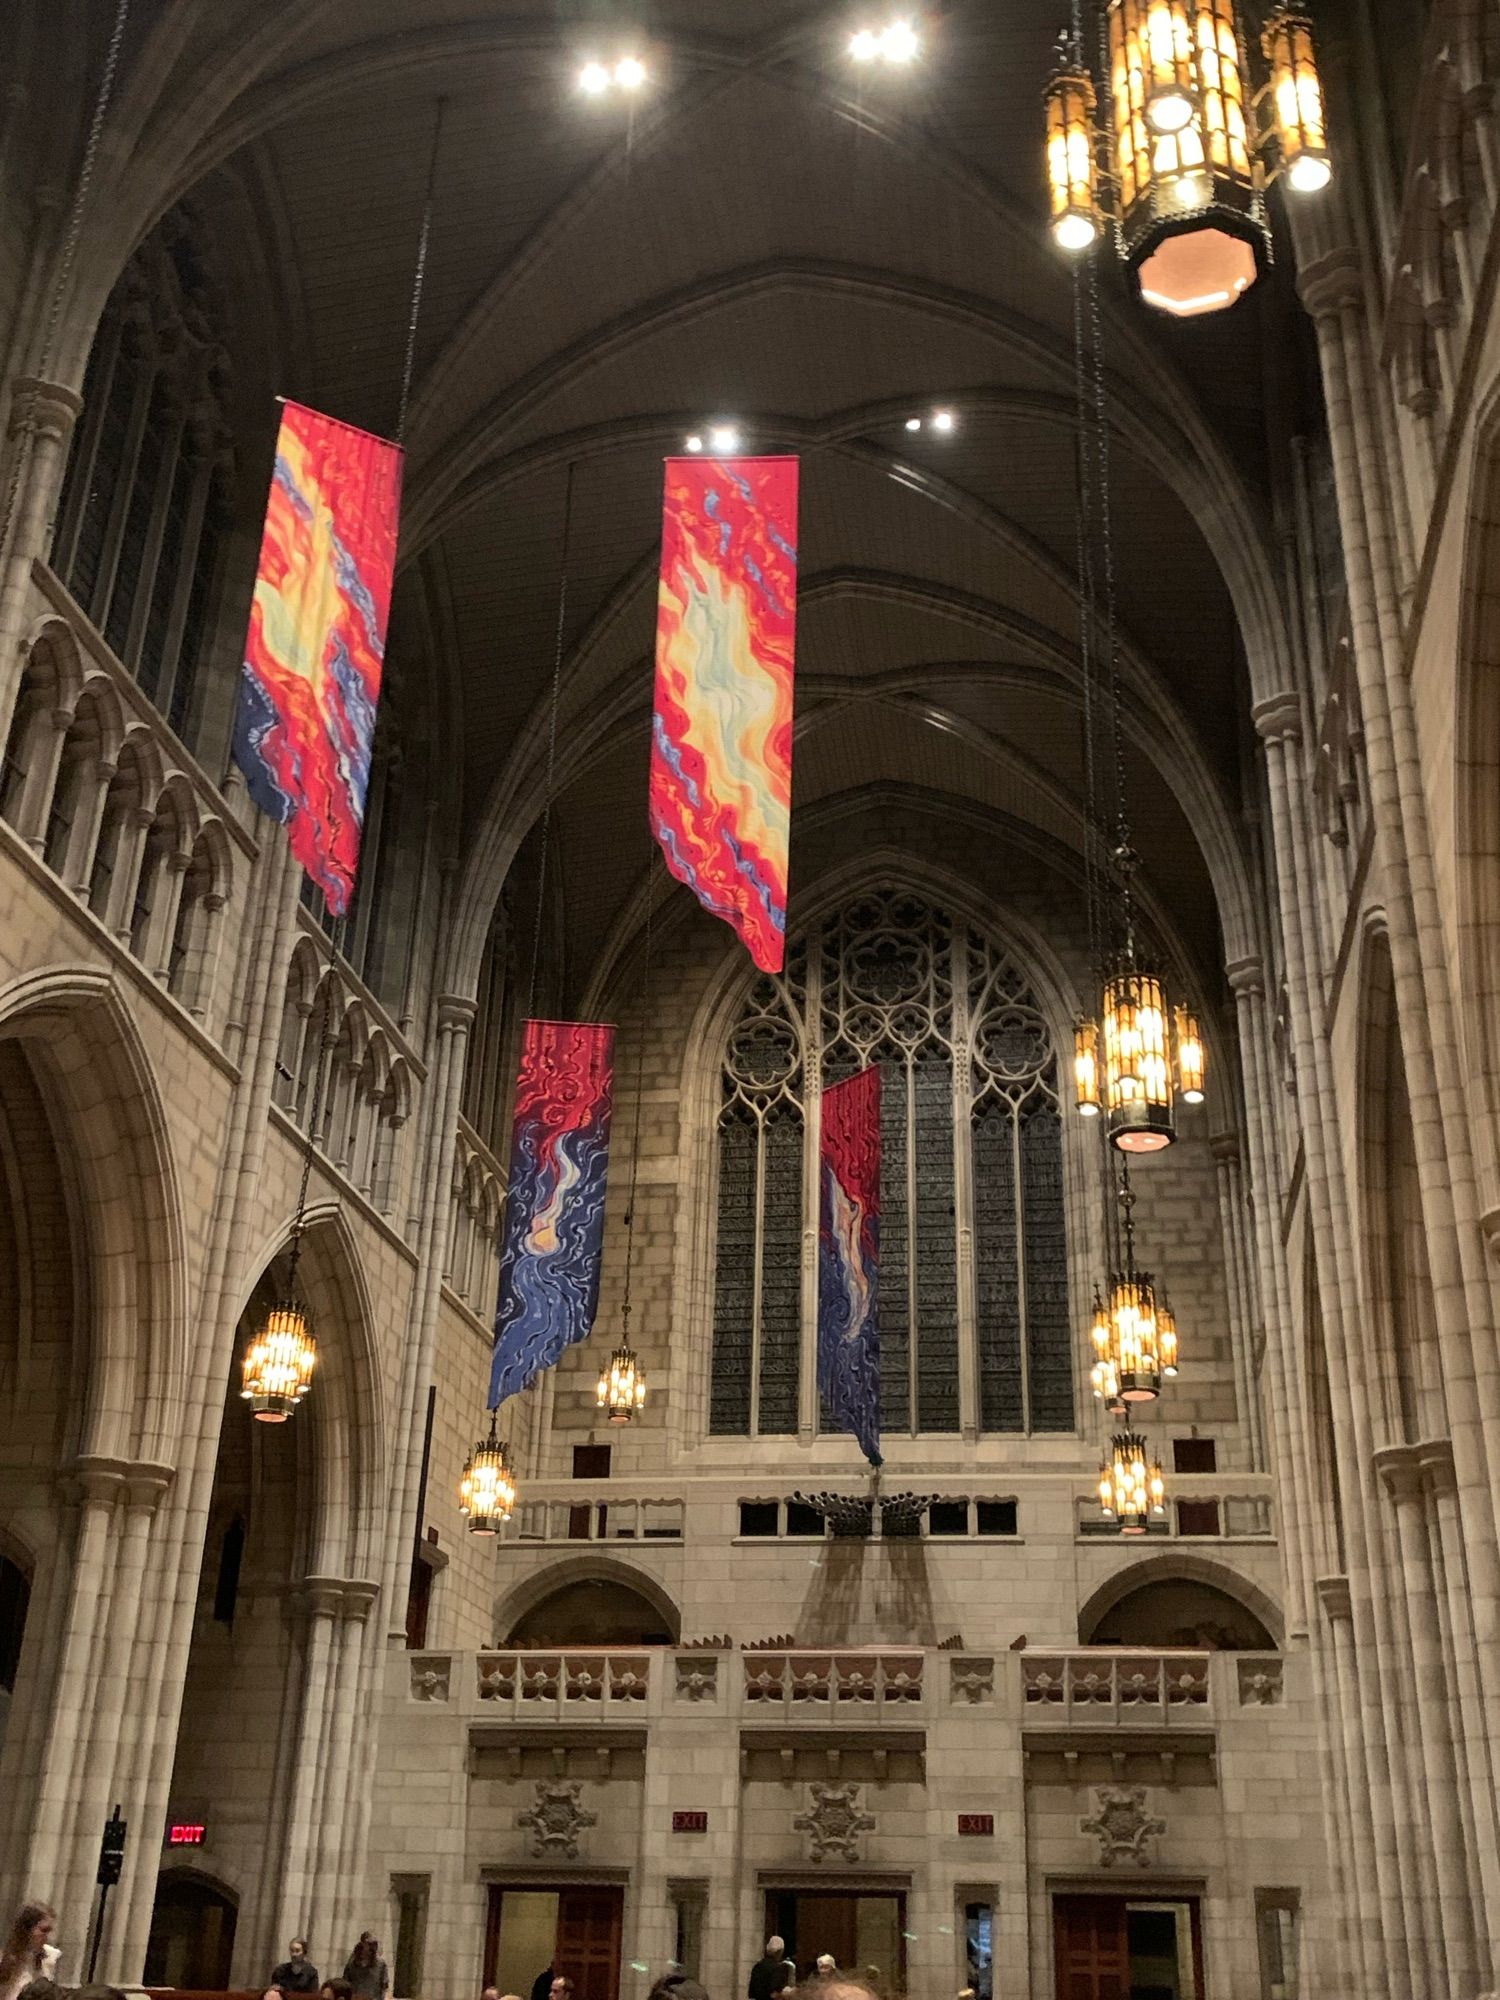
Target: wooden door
{"points": [[589, 1925], [1091, 1945]]}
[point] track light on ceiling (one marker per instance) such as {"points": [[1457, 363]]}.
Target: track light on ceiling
{"points": [[898, 44], [628, 74], [725, 438]]}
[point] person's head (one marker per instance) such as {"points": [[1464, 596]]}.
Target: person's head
{"points": [[775, 1947], [562, 1989], [336, 1989], [966, 1993], [827, 1964], [490, 1993], [33, 1928], [367, 1950], [297, 1949]]}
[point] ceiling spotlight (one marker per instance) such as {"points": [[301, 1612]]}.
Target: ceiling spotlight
{"points": [[865, 46], [914, 423], [724, 437], [695, 443], [942, 420], [630, 73], [900, 43], [593, 79]]}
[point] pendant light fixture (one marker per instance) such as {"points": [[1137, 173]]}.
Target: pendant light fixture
{"points": [[487, 1491], [1132, 1485], [622, 1386], [1190, 146], [1134, 1332], [277, 1369], [1133, 1051]]}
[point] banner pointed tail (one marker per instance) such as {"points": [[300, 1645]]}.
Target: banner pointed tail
{"points": [[304, 726], [849, 1259], [721, 740], [554, 1202]]}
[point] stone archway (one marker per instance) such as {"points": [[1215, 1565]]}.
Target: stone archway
{"points": [[1216, 1590], [565, 1587]]}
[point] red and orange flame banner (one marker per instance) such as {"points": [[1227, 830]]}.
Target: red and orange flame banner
{"points": [[304, 728], [721, 747]]}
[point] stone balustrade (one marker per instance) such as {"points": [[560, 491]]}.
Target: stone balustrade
{"points": [[1133, 1688], [1230, 1507]]}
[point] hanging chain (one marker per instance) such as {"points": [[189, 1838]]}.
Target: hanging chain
{"points": [[640, 1086], [419, 275], [324, 1063], [1087, 611], [21, 456], [557, 658]]}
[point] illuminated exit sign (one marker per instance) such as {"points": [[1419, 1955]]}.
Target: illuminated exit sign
{"points": [[186, 1833]]}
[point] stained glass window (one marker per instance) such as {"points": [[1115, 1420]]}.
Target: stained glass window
{"points": [[971, 1155]]}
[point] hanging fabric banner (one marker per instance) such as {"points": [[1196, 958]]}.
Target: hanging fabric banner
{"points": [[304, 728], [849, 1259], [554, 1203], [721, 743]]}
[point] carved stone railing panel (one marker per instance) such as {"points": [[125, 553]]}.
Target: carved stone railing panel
{"points": [[1117, 1689], [851, 1684], [577, 1682]]}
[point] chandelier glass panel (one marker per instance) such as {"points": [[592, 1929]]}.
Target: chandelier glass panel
{"points": [[1192, 135]]}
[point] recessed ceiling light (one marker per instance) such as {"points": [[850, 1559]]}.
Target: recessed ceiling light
{"points": [[695, 443], [630, 73], [724, 437], [593, 79], [914, 423], [942, 420], [865, 46]]}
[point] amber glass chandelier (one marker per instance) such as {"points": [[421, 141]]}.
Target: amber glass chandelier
{"points": [[622, 1386], [487, 1492], [1134, 1331], [1189, 151], [1132, 1485], [278, 1365]]}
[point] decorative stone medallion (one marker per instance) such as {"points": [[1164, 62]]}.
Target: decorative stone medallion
{"points": [[833, 1822], [1123, 1825], [556, 1820]]}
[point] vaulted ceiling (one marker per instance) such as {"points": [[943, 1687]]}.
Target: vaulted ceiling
{"points": [[763, 233]]}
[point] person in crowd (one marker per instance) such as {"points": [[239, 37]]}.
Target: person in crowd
{"points": [[296, 1973], [493, 1993], [560, 1989], [541, 1986], [366, 1971], [772, 1974], [29, 1952], [827, 1965], [335, 1989]]}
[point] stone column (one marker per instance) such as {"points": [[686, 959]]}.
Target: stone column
{"points": [[1360, 1921], [1400, 1468], [319, 1607], [1226, 1151], [42, 416]]}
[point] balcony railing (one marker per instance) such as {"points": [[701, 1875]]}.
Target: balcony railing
{"points": [[853, 1687]]}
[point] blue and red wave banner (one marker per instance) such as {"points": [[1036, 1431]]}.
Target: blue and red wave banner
{"points": [[849, 1259], [554, 1201], [304, 728], [721, 740]]}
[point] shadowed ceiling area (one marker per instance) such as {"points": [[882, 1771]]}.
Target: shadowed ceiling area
{"points": [[762, 233]]}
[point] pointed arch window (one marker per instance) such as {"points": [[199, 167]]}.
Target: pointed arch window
{"points": [[975, 1323]]}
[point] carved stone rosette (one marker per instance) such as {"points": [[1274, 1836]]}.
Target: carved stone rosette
{"points": [[1123, 1825]]}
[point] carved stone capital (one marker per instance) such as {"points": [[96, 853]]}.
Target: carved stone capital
{"points": [[47, 409], [1399, 1467], [1225, 1146], [1278, 719], [1330, 284], [1333, 1595], [454, 1012], [1245, 975], [1435, 1456]]}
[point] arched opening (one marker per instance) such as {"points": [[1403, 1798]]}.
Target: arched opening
{"points": [[192, 1934], [1179, 1611], [589, 1603], [123, 800], [77, 773], [15, 1602]]}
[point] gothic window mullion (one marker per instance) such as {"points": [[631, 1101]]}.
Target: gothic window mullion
{"points": [[182, 582], [103, 592], [102, 365], [1018, 1215], [962, 1072], [757, 1270], [143, 586]]}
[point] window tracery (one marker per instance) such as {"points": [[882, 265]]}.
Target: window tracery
{"points": [[974, 1276]]}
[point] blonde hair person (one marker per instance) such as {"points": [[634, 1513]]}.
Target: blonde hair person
{"points": [[29, 1951]]}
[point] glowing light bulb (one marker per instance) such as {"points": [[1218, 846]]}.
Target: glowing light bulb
{"points": [[593, 79], [724, 437], [1075, 232], [942, 420], [695, 443], [914, 423], [630, 73], [1170, 111], [865, 46], [900, 43], [1310, 174]]}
